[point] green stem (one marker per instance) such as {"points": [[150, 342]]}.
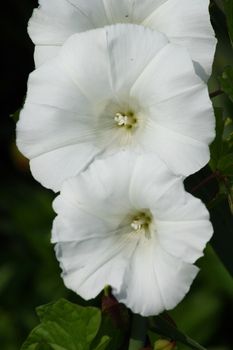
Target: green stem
{"points": [[138, 332], [216, 93]]}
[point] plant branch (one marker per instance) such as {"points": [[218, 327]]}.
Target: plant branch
{"points": [[204, 182], [216, 93]]}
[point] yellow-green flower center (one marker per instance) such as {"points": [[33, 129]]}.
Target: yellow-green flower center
{"points": [[125, 120], [141, 222]]}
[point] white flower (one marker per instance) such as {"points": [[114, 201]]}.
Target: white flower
{"points": [[123, 86], [127, 222], [185, 22]]}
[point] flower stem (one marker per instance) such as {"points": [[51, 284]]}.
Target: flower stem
{"points": [[216, 93], [204, 182], [138, 332]]}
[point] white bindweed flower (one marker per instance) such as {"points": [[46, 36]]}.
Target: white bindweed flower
{"points": [[122, 86], [127, 222], [185, 22]]}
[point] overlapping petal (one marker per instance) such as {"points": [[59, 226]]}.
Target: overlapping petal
{"points": [[96, 244], [73, 100], [185, 22]]}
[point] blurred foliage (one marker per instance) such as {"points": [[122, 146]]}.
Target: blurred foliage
{"points": [[29, 272]]}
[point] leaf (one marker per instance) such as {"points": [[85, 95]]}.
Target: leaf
{"points": [[226, 81], [162, 326], [228, 7], [15, 115], [104, 342], [66, 326]]}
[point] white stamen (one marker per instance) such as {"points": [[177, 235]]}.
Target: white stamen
{"points": [[137, 224], [121, 119]]}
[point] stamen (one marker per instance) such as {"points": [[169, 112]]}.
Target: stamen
{"points": [[127, 121], [137, 224], [141, 223], [121, 119]]}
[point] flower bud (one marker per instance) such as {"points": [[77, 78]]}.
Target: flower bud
{"points": [[164, 344]]}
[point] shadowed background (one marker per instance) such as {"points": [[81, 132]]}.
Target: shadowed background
{"points": [[29, 272]]}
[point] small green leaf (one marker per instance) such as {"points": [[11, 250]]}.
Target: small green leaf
{"points": [[104, 342], [162, 326], [226, 81], [15, 115], [228, 7], [66, 326]]}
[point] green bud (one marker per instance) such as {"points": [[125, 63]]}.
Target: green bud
{"points": [[163, 344]]}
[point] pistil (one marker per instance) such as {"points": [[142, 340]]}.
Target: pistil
{"points": [[141, 223], [127, 120]]}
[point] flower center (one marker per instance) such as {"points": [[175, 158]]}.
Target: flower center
{"points": [[141, 223], [127, 120]]}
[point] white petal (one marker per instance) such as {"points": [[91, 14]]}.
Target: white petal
{"points": [[90, 265], [43, 53], [182, 155], [96, 245], [181, 220], [55, 21], [57, 127], [86, 60], [184, 239], [182, 224], [52, 168], [117, 11], [150, 180], [189, 113], [101, 190], [187, 23], [142, 9], [154, 280], [130, 51], [167, 87], [68, 105]]}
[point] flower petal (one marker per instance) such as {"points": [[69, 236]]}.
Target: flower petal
{"points": [[97, 245], [150, 180], [182, 229], [72, 101], [43, 53], [187, 23], [90, 265], [130, 52], [52, 168], [55, 21], [154, 280], [167, 87]]}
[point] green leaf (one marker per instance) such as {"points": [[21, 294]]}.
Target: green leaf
{"points": [[226, 81], [162, 326], [228, 7], [66, 326], [15, 115], [104, 342]]}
